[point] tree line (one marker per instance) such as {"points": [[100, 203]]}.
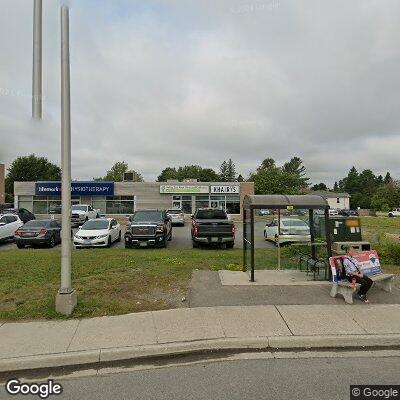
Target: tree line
{"points": [[366, 189]]}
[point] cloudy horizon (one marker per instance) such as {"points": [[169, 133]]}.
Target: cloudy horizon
{"points": [[166, 83]]}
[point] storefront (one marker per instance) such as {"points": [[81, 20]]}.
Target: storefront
{"points": [[122, 198]]}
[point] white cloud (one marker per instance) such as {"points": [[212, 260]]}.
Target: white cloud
{"points": [[168, 83]]}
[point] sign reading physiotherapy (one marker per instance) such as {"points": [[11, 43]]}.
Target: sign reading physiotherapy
{"points": [[77, 188], [225, 189], [183, 189]]}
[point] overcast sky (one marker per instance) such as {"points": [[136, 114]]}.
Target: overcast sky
{"points": [[168, 83]]}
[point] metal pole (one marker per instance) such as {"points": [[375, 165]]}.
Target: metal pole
{"points": [[66, 298], [279, 243], [252, 244], [244, 239], [37, 60], [312, 233], [65, 155], [328, 238]]}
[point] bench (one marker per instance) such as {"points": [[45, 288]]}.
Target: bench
{"points": [[313, 265], [369, 265]]}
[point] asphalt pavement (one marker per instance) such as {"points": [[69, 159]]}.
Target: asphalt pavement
{"points": [[181, 238], [241, 379]]}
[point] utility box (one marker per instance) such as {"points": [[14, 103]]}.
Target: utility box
{"points": [[341, 229], [340, 248]]}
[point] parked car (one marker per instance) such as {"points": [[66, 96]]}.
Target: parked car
{"points": [[101, 232], [394, 213], [291, 230], [348, 213], [22, 213], [212, 226], [38, 233], [264, 212], [82, 213], [148, 228], [9, 223], [333, 212], [177, 216]]}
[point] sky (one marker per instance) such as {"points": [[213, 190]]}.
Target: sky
{"points": [[174, 82]]}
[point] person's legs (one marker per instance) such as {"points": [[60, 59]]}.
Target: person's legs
{"points": [[365, 283]]}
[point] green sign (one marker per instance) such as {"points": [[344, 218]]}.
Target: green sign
{"points": [[183, 189]]}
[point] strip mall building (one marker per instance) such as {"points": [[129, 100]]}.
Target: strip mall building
{"points": [[122, 198]]}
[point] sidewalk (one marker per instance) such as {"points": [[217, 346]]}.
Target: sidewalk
{"points": [[31, 345]]}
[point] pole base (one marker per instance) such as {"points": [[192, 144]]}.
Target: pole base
{"points": [[66, 302]]}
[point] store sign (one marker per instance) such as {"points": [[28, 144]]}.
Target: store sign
{"points": [[235, 189], [77, 188], [183, 189]]}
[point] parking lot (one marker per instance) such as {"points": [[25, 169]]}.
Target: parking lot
{"points": [[181, 238]]}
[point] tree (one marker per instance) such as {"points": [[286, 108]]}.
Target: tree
{"points": [[188, 172], [116, 173], [319, 186], [388, 179], [31, 168], [336, 187], [386, 197], [270, 179], [227, 171], [240, 178]]}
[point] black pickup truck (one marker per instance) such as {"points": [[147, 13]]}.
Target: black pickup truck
{"points": [[148, 228], [212, 226]]}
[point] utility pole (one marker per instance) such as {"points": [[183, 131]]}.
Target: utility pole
{"points": [[66, 298], [37, 60]]}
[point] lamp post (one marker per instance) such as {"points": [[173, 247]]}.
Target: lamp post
{"points": [[37, 60], [66, 298]]}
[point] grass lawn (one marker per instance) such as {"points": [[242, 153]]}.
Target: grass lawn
{"points": [[117, 281], [109, 281]]}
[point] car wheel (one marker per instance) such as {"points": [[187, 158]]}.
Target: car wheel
{"points": [[170, 236], [390, 215], [20, 246], [52, 242], [230, 245], [265, 236], [97, 215], [109, 241], [86, 219], [128, 245], [119, 236], [195, 244]]}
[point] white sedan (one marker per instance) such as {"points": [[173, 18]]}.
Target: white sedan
{"points": [[292, 230], [9, 223], [98, 233]]}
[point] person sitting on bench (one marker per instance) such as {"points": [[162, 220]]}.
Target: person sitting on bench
{"points": [[352, 272]]}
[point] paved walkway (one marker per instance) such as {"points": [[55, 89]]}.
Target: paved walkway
{"points": [[27, 345], [206, 290]]}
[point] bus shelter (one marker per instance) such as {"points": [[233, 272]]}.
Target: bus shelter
{"points": [[278, 203]]}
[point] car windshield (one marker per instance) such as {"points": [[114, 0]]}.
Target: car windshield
{"points": [[294, 222], [211, 214], [95, 224], [37, 224], [79, 208], [177, 211], [9, 211], [147, 216]]}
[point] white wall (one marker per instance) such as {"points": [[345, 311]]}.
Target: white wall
{"points": [[343, 204]]}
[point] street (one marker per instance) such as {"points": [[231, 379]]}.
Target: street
{"points": [[181, 238], [244, 376]]}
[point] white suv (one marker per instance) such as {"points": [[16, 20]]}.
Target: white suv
{"points": [[394, 213]]}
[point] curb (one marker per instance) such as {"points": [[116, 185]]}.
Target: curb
{"points": [[276, 343]]}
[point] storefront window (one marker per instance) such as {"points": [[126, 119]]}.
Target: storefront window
{"points": [[25, 202], [202, 202], [45, 204], [233, 204], [182, 202], [114, 204]]}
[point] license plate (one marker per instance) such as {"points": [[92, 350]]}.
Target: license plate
{"points": [[87, 241], [214, 239], [143, 244]]}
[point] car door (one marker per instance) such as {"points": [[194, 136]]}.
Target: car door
{"points": [[13, 223], [114, 233], [4, 228], [56, 228]]}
